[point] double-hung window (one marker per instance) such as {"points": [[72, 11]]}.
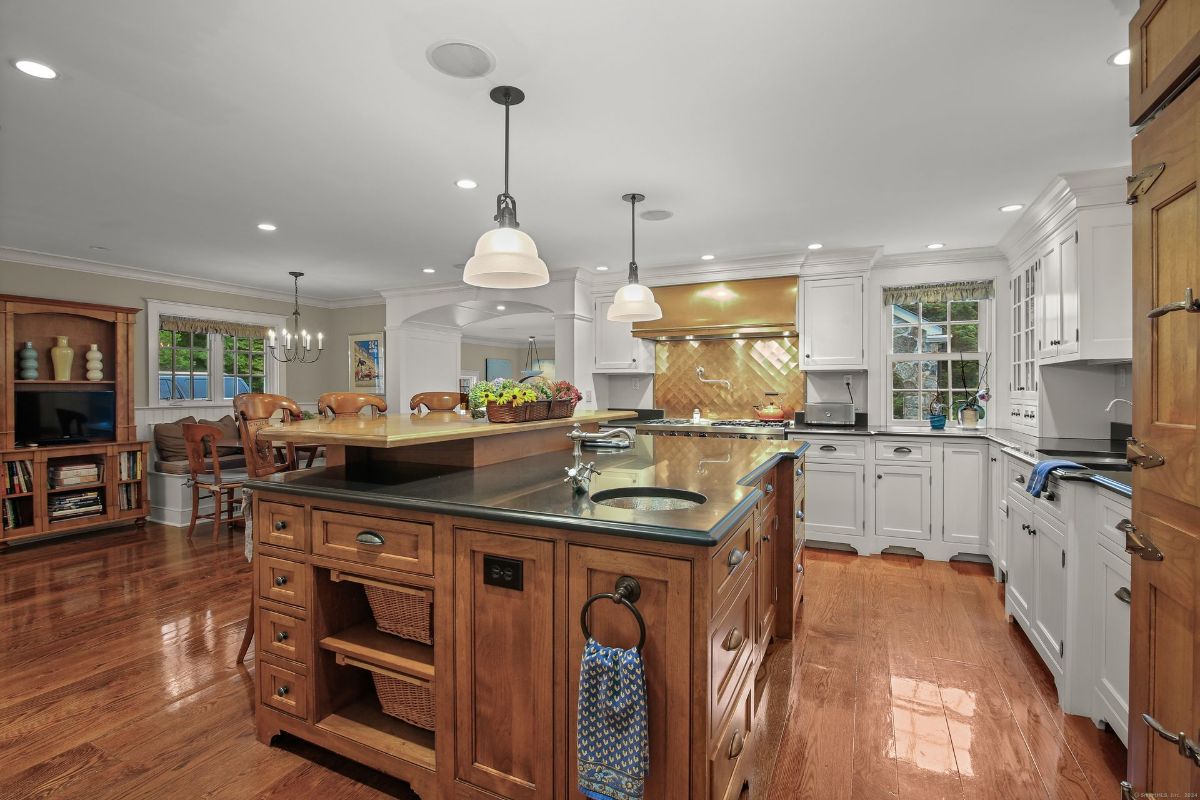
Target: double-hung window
{"points": [[937, 348]]}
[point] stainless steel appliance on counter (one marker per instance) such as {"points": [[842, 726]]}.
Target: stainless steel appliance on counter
{"points": [[716, 428], [840, 414]]}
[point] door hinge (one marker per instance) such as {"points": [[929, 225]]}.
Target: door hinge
{"points": [[1138, 185], [1142, 455], [1127, 791], [1138, 544], [1062, 649]]}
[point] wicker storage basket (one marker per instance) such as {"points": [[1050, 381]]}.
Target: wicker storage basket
{"points": [[561, 409], [538, 409], [405, 697], [507, 412], [403, 611]]}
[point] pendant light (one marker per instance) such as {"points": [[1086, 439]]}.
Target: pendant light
{"points": [[506, 258], [633, 302], [533, 362]]}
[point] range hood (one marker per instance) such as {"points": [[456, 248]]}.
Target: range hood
{"points": [[747, 309]]}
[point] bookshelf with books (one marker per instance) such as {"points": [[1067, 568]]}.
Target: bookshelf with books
{"points": [[48, 487]]}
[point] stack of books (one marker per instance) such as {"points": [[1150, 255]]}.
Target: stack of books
{"points": [[12, 516], [129, 497], [70, 506], [18, 477], [130, 465], [74, 474]]}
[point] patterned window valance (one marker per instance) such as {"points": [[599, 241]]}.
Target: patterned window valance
{"points": [[939, 292], [192, 325]]}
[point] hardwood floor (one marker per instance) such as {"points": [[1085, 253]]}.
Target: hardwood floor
{"points": [[117, 680]]}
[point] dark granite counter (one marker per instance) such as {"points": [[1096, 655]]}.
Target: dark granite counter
{"points": [[531, 490]]}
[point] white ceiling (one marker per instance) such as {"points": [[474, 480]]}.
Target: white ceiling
{"points": [[176, 127]]}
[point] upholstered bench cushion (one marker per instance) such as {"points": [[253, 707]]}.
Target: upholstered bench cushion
{"points": [[168, 441], [181, 467]]}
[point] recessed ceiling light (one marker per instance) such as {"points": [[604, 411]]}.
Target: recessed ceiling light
{"points": [[707, 257], [429, 270], [267, 226], [1012, 207], [601, 268], [1121, 58], [465, 183], [815, 246], [36, 70], [934, 246], [460, 59], [499, 308], [656, 215]]}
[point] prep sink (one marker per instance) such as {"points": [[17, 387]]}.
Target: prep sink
{"points": [[648, 498]]}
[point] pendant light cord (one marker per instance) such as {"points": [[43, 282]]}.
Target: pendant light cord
{"points": [[633, 267], [507, 107]]}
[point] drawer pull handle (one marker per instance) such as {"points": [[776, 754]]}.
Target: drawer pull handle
{"points": [[1050, 496], [1019, 479], [799, 515], [281, 525], [282, 636], [828, 448], [769, 489], [736, 745], [902, 450], [799, 473], [282, 691], [281, 580], [733, 640], [1123, 595], [799, 569], [736, 557], [369, 537]]}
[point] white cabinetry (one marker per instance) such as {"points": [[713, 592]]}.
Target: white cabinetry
{"points": [[1050, 590], [617, 349], [835, 503], [833, 322], [902, 501], [1109, 584], [998, 509], [1018, 591], [965, 507]]}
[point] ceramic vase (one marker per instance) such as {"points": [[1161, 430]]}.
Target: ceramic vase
{"points": [[95, 363], [61, 355], [27, 363], [968, 417]]}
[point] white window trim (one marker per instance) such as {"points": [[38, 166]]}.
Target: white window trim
{"points": [[987, 324], [276, 375]]}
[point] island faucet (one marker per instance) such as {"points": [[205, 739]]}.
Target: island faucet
{"points": [[579, 474], [1116, 400]]}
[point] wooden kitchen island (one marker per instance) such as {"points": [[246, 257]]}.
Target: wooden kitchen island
{"points": [[484, 529]]}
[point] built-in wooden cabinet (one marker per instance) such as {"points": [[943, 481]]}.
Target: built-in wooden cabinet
{"points": [[1164, 40], [833, 322], [616, 348]]}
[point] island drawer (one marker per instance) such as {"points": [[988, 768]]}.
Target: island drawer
{"points": [[283, 581], [770, 489], [281, 525], [283, 689], [902, 451], [844, 448], [726, 763], [283, 636], [730, 648], [731, 561], [399, 544]]}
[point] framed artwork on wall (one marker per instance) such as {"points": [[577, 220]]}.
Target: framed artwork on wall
{"points": [[366, 362], [497, 368]]}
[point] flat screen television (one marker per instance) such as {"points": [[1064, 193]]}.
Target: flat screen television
{"points": [[57, 417]]}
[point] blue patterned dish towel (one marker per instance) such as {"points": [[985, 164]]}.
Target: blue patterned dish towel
{"points": [[1041, 473], [613, 737]]}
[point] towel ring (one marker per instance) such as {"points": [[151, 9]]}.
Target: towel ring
{"points": [[626, 593]]}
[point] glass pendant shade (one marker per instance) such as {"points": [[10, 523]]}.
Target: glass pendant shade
{"points": [[634, 303], [506, 258]]}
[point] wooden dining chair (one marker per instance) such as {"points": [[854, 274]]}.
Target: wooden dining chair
{"points": [[349, 404], [204, 474], [254, 411], [437, 401]]}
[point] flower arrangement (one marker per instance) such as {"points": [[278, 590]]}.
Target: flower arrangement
{"points": [[565, 390], [506, 393]]}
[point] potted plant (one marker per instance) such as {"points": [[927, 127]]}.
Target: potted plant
{"points": [[508, 401], [564, 397]]}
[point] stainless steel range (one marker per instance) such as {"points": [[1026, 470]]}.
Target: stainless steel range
{"points": [[715, 428]]}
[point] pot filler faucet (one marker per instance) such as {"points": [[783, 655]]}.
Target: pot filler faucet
{"points": [[700, 375], [579, 475]]}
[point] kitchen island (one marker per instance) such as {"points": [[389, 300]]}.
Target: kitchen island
{"points": [[502, 558]]}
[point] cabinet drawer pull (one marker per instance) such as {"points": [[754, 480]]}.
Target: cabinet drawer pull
{"points": [[282, 636], [733, 640], [1123, 595], [736, 745], [736, 558], [799, 515], [769, 489], [1019, 479], [799, 473], [1050, 496], [281, 580], [369, 537], [902, 450], [281, 525], [282, 691], [828, 448], [799, 569]]}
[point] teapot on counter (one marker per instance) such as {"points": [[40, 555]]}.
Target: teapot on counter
{"points": [[770, 410]]}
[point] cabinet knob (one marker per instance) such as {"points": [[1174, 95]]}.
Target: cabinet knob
{"points": [[282, 691], [769, 489], [1024, 526], [766, 537], [1033, 531], [799, 473], [281, 525], [878, 477], [736, 745], [799, 515], [733, 640], [282, 636], [800, 569], [1050, 496], [281, 580], [736, 557], [808, 355]]}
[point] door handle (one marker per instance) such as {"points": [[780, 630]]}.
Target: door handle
{"points": [[1187, 748], [1188, 304], [1138, 544], [1123, 595]]}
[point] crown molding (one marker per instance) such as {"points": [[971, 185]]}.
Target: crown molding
{"points": [[35, 259], [1058, 203], [938, 258]]}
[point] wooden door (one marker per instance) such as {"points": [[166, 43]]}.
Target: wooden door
{"points": [[1164, 657], [902, 502]]}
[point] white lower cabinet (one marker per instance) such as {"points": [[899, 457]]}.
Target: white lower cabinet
{"points": [[902, 502], [1018, 591], [965, 507], [998, 510], [835, 502], [1050, 591], [1112, 640]]}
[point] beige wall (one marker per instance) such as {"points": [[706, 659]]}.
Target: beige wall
{"points": [[304, 382], [474, 355]]}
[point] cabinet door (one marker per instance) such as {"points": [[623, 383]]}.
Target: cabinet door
{"points": [[833, 326], [998, 504], [1050, 589], [768, 550], [1018, 591], [616, 347], [1112, 646], [1068, 334], [666, 607], [1164, 40], [965, 507], [834, 503], [1049, 303], [504, 649], [902, 502]]}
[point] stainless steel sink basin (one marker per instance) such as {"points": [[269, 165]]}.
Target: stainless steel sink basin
{"points": [[648, 498]]}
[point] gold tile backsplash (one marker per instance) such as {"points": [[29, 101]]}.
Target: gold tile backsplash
{"points": [[752, 366]]}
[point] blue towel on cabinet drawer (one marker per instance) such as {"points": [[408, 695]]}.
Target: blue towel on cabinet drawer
{"points": [[1041, 473], [612, 726]]}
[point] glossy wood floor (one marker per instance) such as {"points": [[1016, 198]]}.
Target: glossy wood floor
{"points": [[117, 681]]}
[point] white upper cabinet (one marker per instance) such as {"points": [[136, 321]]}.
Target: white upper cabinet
{"points": [[832, 323], [617, 349]]}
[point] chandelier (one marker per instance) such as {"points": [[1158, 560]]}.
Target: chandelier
{"points": [[295, 346]]}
